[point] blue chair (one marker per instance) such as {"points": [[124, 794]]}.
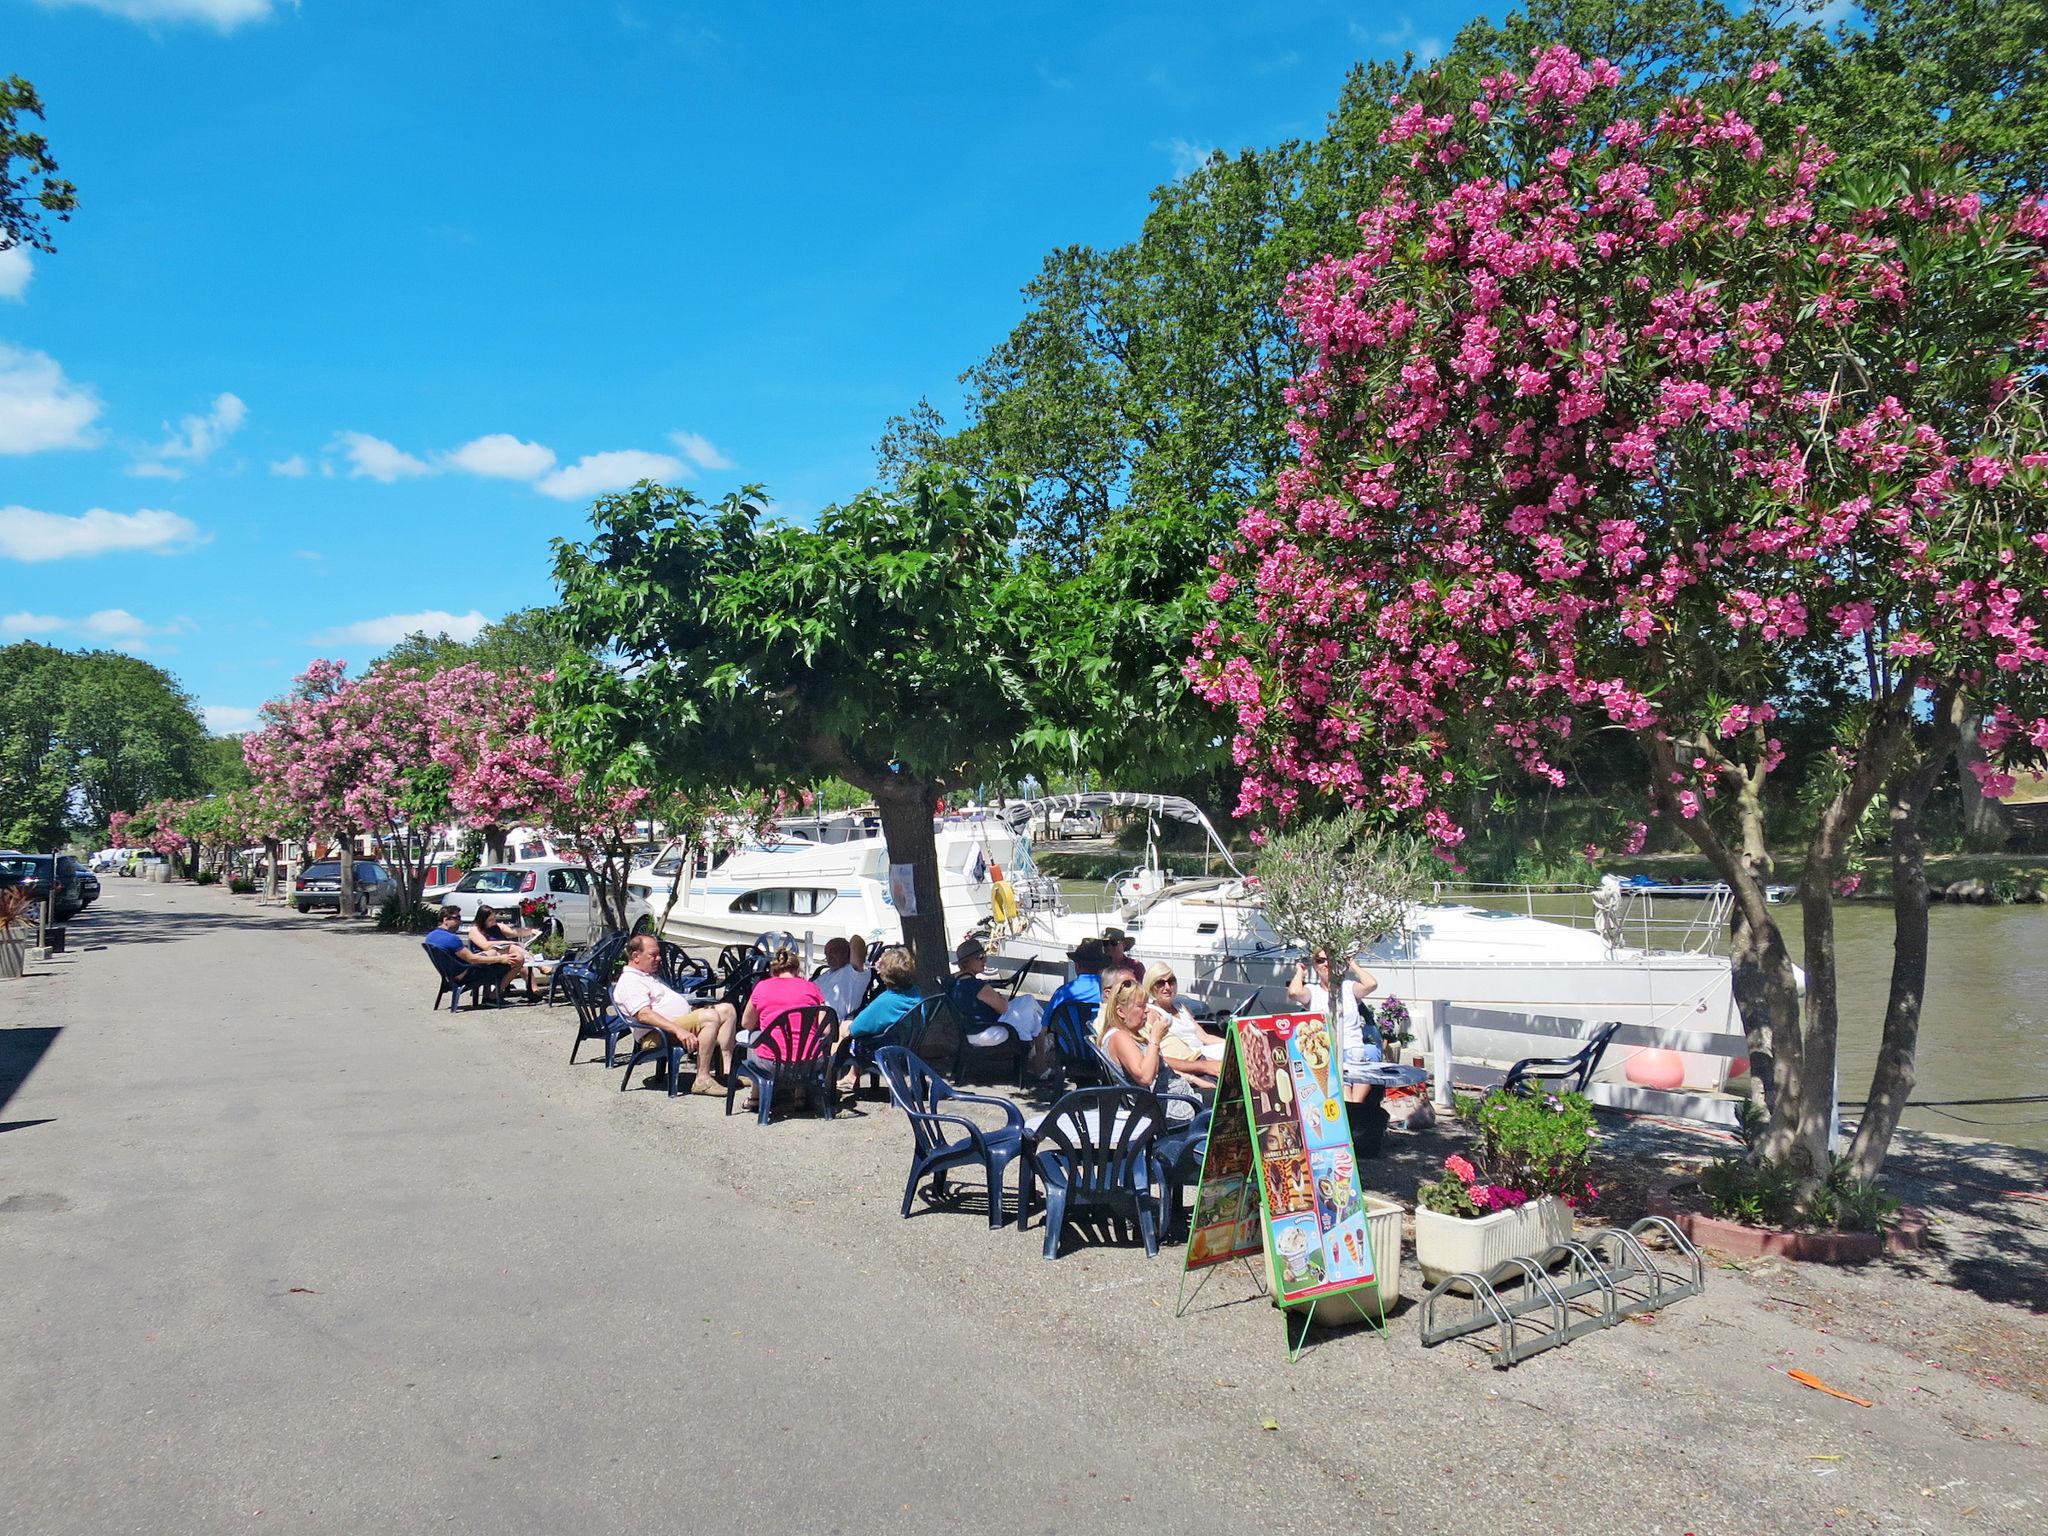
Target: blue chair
{"points": [[656, 1045], [683, 971], [1570, 1074], [1012, 1043], [596, 1018], [858, 1053], [1081, 1063], [804, 1041], [1096, 1151], [942, 1140], [457, 978]]}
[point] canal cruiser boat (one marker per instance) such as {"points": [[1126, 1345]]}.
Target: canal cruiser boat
{"points": [[1514, 971], [821, 877]]}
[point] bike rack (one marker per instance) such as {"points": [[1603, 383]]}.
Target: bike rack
{"points": [[1570, 1289]]}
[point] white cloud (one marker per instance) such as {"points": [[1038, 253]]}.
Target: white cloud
{"points": [[501, 456], [1186, 155], [115, 627], [39, 407], [29, 535], [698, 451], [371, 458], [293, 468], [1426, 49], [15, 271], [598, 472], [394, 627], [194, 439], [223, 14], [230, 719]]}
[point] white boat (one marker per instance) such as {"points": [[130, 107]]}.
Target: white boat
{"points": [[818, 878], [1512, 971]]}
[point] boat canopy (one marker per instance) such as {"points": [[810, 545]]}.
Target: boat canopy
{"points": [[1019, 814]]}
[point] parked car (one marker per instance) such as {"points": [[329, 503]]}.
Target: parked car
{"points": [[319, 885], [1078, 824], [506, 885], [34, 872], [88, 886]]}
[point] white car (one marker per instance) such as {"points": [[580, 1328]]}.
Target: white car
{"points": [[504, 886]]}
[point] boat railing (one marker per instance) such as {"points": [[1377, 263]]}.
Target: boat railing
{"points": [[1626, 917]]}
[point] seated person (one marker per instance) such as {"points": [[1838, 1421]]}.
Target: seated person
{"points": [[980, 1003], [488, 934], [1088, 958], [1132, 1034], [897, 971], [646, 999], [783, 988], [1194, 1052], [1310, 991], [478, 965], [842, 982]]}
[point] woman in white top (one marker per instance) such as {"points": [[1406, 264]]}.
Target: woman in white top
{"points": [[1310, 991], [1192, 1051]]}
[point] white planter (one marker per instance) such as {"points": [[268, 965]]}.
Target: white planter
{"points": [[12, 954], [1449, 1245], [1383, 1225]]}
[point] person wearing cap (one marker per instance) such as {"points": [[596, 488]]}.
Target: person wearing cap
{"points": [[980, 1004]]}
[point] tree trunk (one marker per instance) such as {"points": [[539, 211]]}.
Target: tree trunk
{"points": [[1986, 826], [273, 854], [347, 856], [907, 805], [1891, 1080], [494, 845]]}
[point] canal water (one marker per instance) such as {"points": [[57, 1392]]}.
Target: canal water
{"points": [[1983, 1029]]}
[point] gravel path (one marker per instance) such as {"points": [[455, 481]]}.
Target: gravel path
{"points": [[284, 1248]]}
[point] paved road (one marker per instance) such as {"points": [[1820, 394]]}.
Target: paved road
{"points": [[280, 1253]]}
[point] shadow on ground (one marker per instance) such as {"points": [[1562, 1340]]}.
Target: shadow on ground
{"points": [[20, 1050]]}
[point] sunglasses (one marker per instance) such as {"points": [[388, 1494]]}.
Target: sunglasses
{"points": [[1164, 981]]}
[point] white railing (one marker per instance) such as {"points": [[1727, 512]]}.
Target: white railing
{"points": [[1639, 919]]}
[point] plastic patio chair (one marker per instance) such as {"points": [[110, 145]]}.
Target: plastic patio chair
{"points": [[596, 1018], [805, 1041], [857, 1053], [1570, 1073], [658, 1046], [1182, 1141], [457, 978], [943, 1140], [1097, 1150], [682, 970], [1081, 1062]]}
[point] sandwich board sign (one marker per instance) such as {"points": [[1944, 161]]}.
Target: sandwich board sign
{"points": [[1279, 1175]]}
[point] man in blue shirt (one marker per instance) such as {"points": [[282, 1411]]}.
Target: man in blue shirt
{"points": [[478, 970], [1088, 959]]}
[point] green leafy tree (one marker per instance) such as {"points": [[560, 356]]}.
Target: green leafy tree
{"points": [[894, 645], [221, 766], [35, 759], [526, 638], [31, 191], [133, 732]]}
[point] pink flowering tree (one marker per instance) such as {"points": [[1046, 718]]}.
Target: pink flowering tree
{"points": [[1645, 425]]}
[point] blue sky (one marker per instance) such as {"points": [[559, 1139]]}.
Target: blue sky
{"points": [[367, 298]]}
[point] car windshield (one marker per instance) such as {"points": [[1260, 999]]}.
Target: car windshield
{"points": [[498, 882], [25, 867]]}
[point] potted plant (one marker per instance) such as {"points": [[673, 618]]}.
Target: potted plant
{"points": [[16, 914], [1517, 1199]]}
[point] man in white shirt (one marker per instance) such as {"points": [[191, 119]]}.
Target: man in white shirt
{"points": [[843, 983], [646, 999]]}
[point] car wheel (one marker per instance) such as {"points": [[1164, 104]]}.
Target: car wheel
{"points": [[646, 923], [304, 908]]}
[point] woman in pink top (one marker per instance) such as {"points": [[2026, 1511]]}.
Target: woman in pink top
{"points": [[783, 988]]}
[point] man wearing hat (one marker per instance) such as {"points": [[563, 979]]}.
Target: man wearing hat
{"points": [[1116, 945]]}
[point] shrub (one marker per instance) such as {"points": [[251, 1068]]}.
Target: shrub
{"points": [[395, 916], [242, 885], [553, 947], [1755, 1194], [1536, 1144], [1844, 1204], [206, 877]]}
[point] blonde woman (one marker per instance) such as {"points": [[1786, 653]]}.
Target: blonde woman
{"points": [[1193, 1052], [1131, 1033]]}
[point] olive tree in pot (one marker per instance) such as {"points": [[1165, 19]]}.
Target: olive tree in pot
{"points": [[1334, 886]]}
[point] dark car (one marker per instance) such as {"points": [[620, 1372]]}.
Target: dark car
{"points": [[33, 871], [88, 887], [319, 885]]}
